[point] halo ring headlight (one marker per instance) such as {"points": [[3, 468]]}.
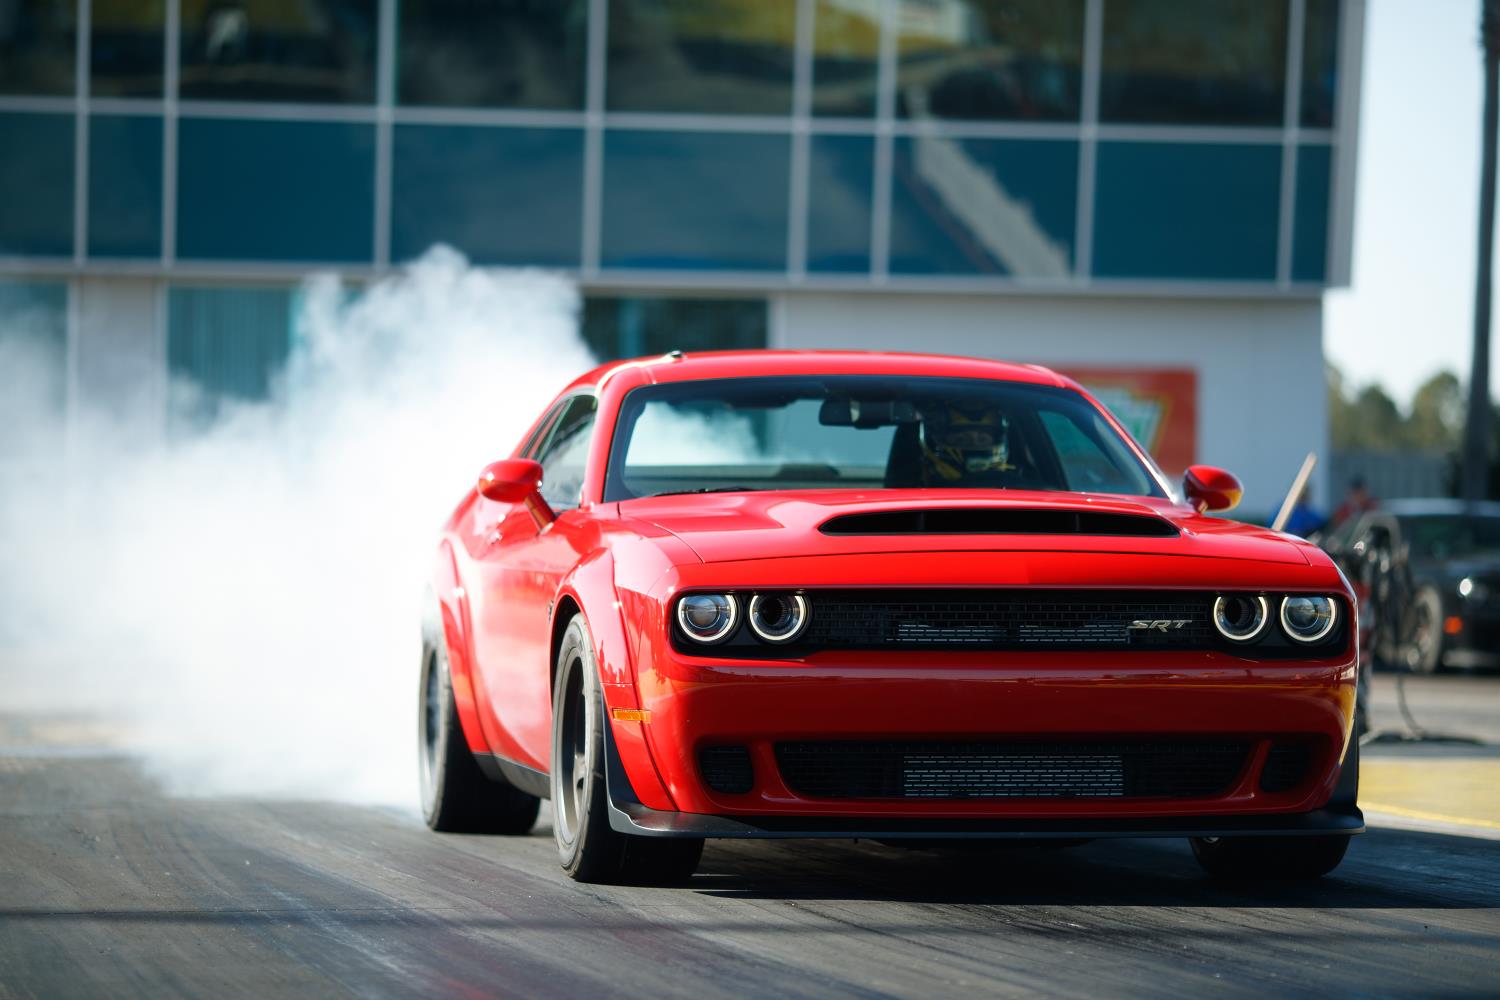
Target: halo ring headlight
{"points": [[1308, 617], [778, 618], [708, 618], [1239, 618]]}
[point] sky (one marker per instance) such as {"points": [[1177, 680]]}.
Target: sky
{"points": [[1409, 312]]}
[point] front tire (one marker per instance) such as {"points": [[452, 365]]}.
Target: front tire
{"points": [[589, 848], [456, 795], [1258, 858]]}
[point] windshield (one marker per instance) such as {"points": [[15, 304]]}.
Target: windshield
{"points": [[865, 432], [1450, 536]]}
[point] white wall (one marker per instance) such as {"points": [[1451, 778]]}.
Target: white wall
{"points": [[1262, 405]]}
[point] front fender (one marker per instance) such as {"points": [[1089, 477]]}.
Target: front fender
{"points": [[452, 607], [591, 586]]}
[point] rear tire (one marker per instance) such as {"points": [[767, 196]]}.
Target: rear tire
{"points": [[456, 795], [1259, 858], [589, 848]]}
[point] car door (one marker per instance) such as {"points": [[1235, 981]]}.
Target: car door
{"points": [[519, 571]]}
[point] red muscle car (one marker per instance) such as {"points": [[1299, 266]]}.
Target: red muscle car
{"points": [[897, 597]]}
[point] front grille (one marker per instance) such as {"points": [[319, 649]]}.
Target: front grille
{"points": [[1009, 620], [1006, 770]]}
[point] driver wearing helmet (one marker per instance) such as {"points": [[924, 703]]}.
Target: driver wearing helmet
{"points": [[965, 445]]}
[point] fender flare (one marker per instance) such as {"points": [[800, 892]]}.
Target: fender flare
{"points": [[591, 587]]}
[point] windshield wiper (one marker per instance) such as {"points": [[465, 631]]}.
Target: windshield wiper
{"points": [[706, 489]]}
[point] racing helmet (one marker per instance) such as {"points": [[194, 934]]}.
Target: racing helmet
{"points": [[964, 443]]}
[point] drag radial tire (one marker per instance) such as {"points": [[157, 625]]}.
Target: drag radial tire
{"points": [[591, 850], [456, 796], [1243, 858]]}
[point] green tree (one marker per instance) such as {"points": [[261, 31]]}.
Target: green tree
{"points": [[1437, 414]]}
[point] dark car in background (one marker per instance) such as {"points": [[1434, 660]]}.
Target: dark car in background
{"points": [[1428, 576]]}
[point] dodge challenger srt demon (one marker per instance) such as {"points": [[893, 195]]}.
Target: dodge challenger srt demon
{"points": [[899, 597]]}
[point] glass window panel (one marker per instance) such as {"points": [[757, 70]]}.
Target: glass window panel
{"points": [[36, 190], [643, 327], [37, 47], [710, 56], [695, 200], [983, 206], [840, 188], [501, 195], [279, 50], [1187, 211], [224, 344], [1310, 228], [1209, 62], [125, 48], [493, 53], [991, 59], [275, 190], [33, 369], [124, 186], [846, 57], [1320, 62]]}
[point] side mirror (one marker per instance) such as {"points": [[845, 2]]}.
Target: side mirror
{"points": [[516, 480], [510, 481], [1211, 489]]}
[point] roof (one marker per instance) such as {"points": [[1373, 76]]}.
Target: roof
{"points": [[1437, 506], [696, 365]]}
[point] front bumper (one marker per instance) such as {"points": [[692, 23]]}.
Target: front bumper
{"points": [[1339, 815], [698, 702]]}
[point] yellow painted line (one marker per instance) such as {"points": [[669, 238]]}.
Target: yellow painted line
{"points": [[1461, 791], [1431, 817]]}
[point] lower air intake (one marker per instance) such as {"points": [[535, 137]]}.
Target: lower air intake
{"points": [[1009, 770], [727, 769]]}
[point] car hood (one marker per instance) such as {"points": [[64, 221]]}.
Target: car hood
{"points": [[725, 527]]}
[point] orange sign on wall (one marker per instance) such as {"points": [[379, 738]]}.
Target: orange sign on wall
{"points": [[1158, 406]]}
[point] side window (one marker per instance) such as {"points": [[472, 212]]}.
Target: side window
{"points": [[564, 455], [534, 442]]}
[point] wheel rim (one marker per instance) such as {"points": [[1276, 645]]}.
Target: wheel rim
{"points": [[432, 715], [572, 756]]}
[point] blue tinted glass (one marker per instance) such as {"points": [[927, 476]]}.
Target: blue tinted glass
{"points": [[695, 200], [126, 39], [983, 206], [279, 51], [124, 186], [635, 327], [982, 59], [709, 56], [1310, 230], [1191, 210], [36, 190], [224, 343], [1200, 62], [463, 53], [501, 195], [1320, 62], [38, 43], [840, 184], [273, 190]]}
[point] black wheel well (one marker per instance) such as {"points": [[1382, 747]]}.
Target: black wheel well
{"points": [[566, 609]]}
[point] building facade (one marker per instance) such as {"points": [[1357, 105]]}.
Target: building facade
{"points": [[1151, 194]]}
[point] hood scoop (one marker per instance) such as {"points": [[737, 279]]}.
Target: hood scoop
{"points": [[998, 521]]}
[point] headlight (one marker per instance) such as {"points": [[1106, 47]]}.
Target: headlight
{"points": [[708, 618], [1472, 589], [778, 617], [1240, 618], [1308, 619]]}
